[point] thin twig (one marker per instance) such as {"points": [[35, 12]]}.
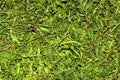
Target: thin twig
{"points": [[64, 36], [108, 58], [97, 7]]}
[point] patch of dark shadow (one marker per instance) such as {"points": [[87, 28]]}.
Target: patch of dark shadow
{"points": [[34, 67], [96, 2], [59, 6], [80, 78], [64, 49], [67, 49], [17, 59], [28, 57], [95, 32], [64, 1], [78, 66], [33, 29], [54, 12]]}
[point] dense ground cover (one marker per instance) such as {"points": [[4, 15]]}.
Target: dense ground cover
{"points": [[59, 39]]}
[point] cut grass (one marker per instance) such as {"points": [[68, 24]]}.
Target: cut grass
{"points": [[59, 40]]}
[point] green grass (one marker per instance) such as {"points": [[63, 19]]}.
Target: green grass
{"points": [[59, 40]]}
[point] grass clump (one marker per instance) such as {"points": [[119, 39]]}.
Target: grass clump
{"points": [[59, 40]]}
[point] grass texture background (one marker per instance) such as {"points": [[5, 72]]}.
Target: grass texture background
{"points": [[59, 39]]}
